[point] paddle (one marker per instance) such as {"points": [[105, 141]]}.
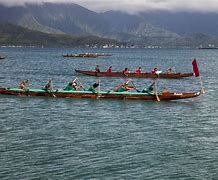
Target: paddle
{"points": [[99, 86], [123, 84], [116, 88], [125, 74], [98, 89], [81, 84], [135, 87], [52, 93], [156, 91]]}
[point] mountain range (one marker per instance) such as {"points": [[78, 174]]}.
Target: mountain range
{"points": [[155, 28], [13, 35]]}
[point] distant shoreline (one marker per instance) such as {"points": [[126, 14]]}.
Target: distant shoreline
{"points": [[208, 48]]}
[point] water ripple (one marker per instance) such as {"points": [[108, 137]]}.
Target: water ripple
{"points": [[45, 138]]}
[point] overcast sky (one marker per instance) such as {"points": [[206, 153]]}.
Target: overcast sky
{"points": [[133, 6]]}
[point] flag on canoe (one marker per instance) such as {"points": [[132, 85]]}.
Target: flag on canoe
{"points": [[195, 68]]}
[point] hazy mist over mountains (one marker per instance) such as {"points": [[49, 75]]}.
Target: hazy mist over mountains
{"points": [[131, 7], [156, 28]]}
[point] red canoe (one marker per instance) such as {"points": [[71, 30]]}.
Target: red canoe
{"points": [[135, 75]]}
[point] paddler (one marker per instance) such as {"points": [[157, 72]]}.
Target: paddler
{"points": [[49, 85], [109, 69], [139, 70], [170, 70], [97, 69], [154, 71], [150, 89], [24, 84], [125, 87], [94, 86], [72, 86], [126, 70]]}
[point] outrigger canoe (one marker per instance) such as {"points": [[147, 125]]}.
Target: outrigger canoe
{"points": [[86, 55], [98, 95], [135, 75]]}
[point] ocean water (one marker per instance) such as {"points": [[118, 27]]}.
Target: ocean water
{"points": [[54, 138]]}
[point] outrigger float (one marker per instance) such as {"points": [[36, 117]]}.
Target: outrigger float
{"points": [[99, 94], [135, 75]]}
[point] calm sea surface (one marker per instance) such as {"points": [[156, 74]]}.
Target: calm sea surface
{"points": [[54, 138]]}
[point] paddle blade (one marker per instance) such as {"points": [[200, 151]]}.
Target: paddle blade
{"points": [[158, 99], [195, 68]]}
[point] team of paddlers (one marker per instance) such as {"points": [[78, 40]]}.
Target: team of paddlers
{"points": [[76, 85], [75, 89], [139, 70]]}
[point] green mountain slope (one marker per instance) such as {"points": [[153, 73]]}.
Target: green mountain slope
{"points": [[64, 23], [19, 36], [76, 20]]}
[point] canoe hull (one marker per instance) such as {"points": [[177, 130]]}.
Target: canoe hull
{"points": [[135, 75], [100, 95]]}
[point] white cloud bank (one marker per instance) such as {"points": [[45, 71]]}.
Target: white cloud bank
{"points": [[132, 6]]}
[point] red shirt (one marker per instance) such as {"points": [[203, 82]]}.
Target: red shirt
{"points": [[138, 71], [154, 71], [109, 69]]}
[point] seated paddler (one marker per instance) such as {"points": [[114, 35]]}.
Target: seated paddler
{"points": [[126, 71], [125, 87], [94, 86], [97, 68], [109, 69], [24, 84], [72, 86], [139, 70], [49, 85], [170, 70], [150, 89]]}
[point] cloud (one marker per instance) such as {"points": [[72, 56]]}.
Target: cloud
{"points": [[132, 6]]}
